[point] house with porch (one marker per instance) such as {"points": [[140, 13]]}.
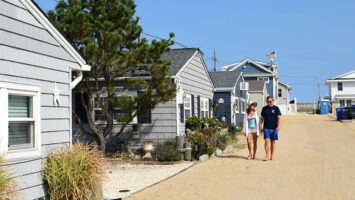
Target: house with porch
{"points": [[230, 96], [341, 90], [36, 81]]}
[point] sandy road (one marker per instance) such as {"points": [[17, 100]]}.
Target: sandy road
{"points": [[315, 159]]}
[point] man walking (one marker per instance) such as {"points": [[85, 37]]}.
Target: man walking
{"points": [[270, 123]]}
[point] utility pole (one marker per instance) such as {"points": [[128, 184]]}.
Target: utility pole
{"points": [[214, 60], [319, 98]]}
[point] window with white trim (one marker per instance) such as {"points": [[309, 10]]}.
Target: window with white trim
{"points": [[187, 106], [242, 106], [279, 92], [236, 105], [203, 107], [20, 120], [340, 86], [266, 79]]}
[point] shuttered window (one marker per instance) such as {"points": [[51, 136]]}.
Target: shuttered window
{"points": [[21, 122]]}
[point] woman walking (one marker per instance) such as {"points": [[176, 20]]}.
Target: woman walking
{"points": [[251, 129]]}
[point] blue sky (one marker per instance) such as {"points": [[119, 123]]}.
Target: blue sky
{"points": [[314, 40]]}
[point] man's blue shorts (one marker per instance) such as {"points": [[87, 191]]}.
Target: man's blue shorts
{"points": [[270, 133]]}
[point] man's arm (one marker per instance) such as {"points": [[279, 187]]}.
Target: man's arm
{"points": [[261, 122], [278, 123]]}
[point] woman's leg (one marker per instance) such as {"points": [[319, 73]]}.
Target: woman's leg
{"points": [[255, 140], [249, 145]]}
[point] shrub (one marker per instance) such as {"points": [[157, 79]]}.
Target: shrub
{"points": [[74, 173], [193, 123], [8, 186], [167, 151]]}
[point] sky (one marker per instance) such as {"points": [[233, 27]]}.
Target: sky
{"points": [[313, 40]]}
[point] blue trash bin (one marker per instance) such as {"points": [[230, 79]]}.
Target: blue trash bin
{"points": [[341, 114]]}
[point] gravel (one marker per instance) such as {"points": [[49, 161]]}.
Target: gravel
{"points": [[125, 179]]}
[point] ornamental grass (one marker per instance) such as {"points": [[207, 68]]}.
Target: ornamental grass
{"points": [[75, 173], [8, 186]]}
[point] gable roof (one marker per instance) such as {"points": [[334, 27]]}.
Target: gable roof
{"points": [[179, 58], [224, 78], [285, 85], [262, 65], [37, 13], [256, 85], [349, 76]]}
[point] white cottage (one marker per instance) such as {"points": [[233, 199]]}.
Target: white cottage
{"points": [[36, 65], [342, 90]]}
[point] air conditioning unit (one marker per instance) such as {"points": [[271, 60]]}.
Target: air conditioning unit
{"points": [[244, 86]]}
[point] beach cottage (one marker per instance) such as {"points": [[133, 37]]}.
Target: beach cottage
{"points": [[342, 90], [36, 66], [256, 70], [194, 93], [230, 96]]}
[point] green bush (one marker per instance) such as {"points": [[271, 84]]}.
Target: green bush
{"points": [[74, 173], [193, 123], [167, 151], [8, 186]]}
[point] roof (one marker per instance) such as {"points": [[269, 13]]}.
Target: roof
{"points": [[178, 58], [256, 85], [350, 76], [37, 12], [224, 78], [264, 66], [284, 84]]}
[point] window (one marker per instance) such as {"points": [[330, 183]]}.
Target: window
{"points": [[340, 86], [266, 79], [187, 106], [146, 115], [20, 120], [236, 106], [279, 92], [342, 103], [204, 107], [99, 114], [348, 102], [242, 106]]}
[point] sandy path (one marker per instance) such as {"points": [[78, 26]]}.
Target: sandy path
{"points": [[315, 159]]}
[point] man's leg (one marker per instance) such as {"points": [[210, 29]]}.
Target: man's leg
{"points": [[267, 148], [272, 149]]}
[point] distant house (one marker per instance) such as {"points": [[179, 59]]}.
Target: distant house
{"points": [[256, 70], [283, 96], [230, 99], [257, 93], [342, 90], [35, 91], [194, 92]]}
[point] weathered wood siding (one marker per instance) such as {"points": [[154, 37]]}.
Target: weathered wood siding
{"points": [[31, 56]]}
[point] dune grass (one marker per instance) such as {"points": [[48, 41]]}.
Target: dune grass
{"points": [[74, 173], [8, 186]]}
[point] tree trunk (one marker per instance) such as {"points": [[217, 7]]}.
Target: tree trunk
{"points": [[103, 141]]}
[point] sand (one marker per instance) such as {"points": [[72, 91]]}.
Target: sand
{"points": [[315, 159]]}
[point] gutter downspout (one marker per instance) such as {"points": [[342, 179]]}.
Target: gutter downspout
{"points": [[77, 80]]}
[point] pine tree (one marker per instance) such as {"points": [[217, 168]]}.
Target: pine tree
{"points": [[108, 36]]}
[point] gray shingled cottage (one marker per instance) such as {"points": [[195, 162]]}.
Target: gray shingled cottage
{"points": [[194, 93], [36, 65], [230, 96]]}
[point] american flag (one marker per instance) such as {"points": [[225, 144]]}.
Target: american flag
{"points": [[271, 55]]}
